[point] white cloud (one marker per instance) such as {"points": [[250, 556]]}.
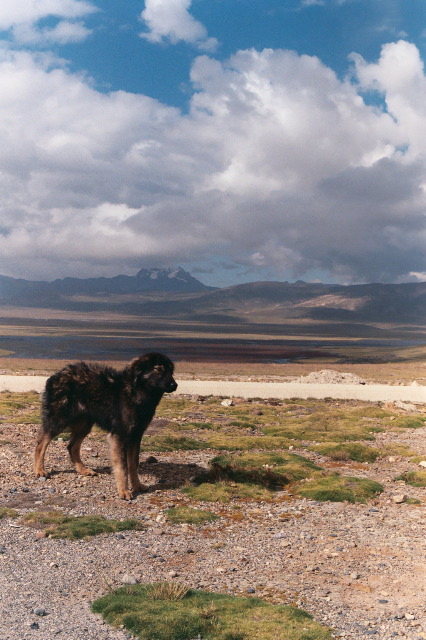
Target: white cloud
{"points": [[171, 20], [22, 19], [279, 165]]}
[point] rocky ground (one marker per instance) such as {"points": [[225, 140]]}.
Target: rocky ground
{"points": [[358, 568]]}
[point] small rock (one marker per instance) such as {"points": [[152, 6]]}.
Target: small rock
{"points": [[391, 459], [228, 402], [119, 536], [2, 549], [129, 579], [34, 625], [41, 534], [355, 576], [39, 611], [422, 463], [405, 406], [251, 590], [399, 498], [42, 479], [151, 460]]}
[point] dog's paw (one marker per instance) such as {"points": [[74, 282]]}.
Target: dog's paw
{"points": [[88, 472], [125, 495], [139, 488]]}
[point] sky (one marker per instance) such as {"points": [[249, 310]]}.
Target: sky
{"points": [[243, 140]]}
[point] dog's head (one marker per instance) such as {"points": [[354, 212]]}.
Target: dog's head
{"points": [[154, 371]]}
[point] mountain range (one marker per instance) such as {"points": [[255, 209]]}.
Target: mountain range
{"points": [[175, 292]]}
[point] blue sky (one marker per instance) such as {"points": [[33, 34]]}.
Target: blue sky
{"points": [[242, 139]]}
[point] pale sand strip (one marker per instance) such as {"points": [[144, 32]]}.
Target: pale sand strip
{"points": [[281, 390]]}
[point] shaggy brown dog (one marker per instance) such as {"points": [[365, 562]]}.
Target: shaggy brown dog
{"points": [[122, 403]]}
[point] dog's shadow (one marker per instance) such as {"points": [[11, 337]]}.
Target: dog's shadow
{"points": [[168, 475]]}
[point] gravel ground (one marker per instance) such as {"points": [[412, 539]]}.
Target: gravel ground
{"points": [[358, 568]]}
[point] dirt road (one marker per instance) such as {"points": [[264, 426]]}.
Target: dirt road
{"points": [[281, 390]]}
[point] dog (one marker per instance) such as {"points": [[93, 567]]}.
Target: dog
{"points": [[122, 403]]}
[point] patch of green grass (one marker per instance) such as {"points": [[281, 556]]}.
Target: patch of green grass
{"points": [[244, 424], [336, 488], [347, 451], [226, 491], [167, 442], [409, 422], [5, 512], [414, 478], [203, 425], [180, 515], [396, 449], [270, 469], [211, 616], [59, 525], [224, 442], [20, 408]]}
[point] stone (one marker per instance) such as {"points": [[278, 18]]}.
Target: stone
{"points": [[39, 611], [129, 579], [228, 402], [41, 534], [399, 498]]}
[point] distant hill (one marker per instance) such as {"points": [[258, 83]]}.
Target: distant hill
{"points": [[176, 280], [354, 303], [174, 292]]}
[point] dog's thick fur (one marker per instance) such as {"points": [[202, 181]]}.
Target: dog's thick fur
{"points": [[122, 403]]}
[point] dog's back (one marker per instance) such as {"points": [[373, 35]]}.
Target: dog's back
{"points": [[77, 390]]}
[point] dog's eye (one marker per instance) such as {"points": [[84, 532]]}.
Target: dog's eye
{"points": [[159, 369]]}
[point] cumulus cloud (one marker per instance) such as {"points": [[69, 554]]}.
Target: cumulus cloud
{"points": [[278, 165], [170, 20], [21, 20]]}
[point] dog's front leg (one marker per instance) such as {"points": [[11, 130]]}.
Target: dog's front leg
{"points": [[133, 464], [119, 464]]}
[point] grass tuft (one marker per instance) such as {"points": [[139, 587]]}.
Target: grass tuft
{"points": [[224, 492], [336, 488], [166, 442], [200, 614], [189, 515], [59, 525], [347, 451], [171, 591], [270, 469], [5, 512], [414, 478]]}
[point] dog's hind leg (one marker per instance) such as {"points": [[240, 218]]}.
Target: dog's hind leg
{"points": [[132, 465], [79, 430], [119, 464], [43, 442]]}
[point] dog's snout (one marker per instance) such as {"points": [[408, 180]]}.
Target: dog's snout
{"points": [[172, 386]]}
